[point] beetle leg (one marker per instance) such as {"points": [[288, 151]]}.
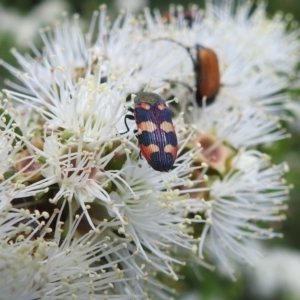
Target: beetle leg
{"points": [[127, 117]]}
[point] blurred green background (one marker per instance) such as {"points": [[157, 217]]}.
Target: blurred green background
{"points": [[85, 7], [20, 19]]}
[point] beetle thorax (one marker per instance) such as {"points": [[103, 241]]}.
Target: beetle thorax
{"points": [[150, 98]]}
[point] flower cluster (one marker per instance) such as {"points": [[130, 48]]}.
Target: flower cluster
{"points": [[82, 213]]}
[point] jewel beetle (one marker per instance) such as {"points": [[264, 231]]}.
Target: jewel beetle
{"points": [[207, 73], [155, 130]]}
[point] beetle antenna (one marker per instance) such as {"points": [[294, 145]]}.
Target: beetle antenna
{"points": [[182, 83], [188, 49]]}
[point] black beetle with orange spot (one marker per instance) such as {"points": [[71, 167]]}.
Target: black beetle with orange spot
{"points": [[155, 130]]}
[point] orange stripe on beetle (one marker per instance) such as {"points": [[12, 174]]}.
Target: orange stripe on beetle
{"points": [[171, 149], [162, 106], [144, 106], [167, 126], [147, 126], [152, 148]]}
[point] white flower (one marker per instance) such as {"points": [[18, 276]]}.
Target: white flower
{"points": [[252, 191], [156, 212], [12, 165], [276, 272], [65, 267], [68, 149], [242, 116], [120, 57], [9, 138], [240, 127], [251, 72], [242, 18], [86, 105], [80, 148]]}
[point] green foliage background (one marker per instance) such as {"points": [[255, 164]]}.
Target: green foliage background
{"points": [[210, 285]]}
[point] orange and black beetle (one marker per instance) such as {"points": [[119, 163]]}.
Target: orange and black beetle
{"points": [[207, 73], [155, 130]]}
